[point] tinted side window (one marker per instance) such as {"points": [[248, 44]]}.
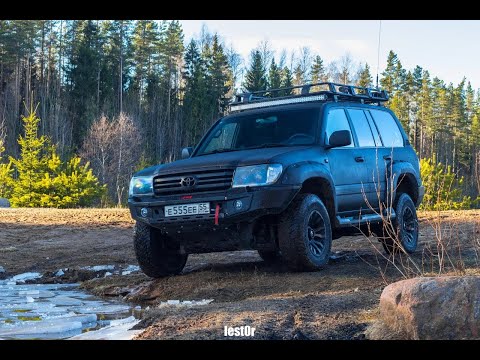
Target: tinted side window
{"points": [[337, 120], [361, 126], [388, 128], [374, 129]]}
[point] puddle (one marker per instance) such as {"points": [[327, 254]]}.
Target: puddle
{"points": [[61, 311]]}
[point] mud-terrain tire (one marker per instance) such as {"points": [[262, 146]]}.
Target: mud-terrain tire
{"points": [[270, 256], [157, 254], [305, 234], [405, 226]]}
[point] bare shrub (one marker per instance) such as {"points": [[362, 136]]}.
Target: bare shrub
{"points": [[446, 253], [113, 149]]}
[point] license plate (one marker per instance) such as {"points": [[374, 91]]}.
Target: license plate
{"points": [[187, 209]]}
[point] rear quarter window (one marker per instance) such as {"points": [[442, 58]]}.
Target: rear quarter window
{"points": [[388, 128]]}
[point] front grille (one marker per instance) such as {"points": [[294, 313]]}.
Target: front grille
{"points": [[208, 180]]}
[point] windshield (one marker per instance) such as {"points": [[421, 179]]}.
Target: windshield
{"points": [[269, 129]]}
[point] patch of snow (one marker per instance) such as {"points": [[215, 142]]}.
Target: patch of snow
{"points": [[185, 303], [130, 269], [108, 273], [30, 299], [21, 278], [2, 270], [99, 268], [59, 273]]}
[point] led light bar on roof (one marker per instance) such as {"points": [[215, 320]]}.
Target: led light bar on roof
{"points": [[238, 107]]}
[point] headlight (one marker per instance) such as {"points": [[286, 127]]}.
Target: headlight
{"points": [[256, 175], [141, 185]]}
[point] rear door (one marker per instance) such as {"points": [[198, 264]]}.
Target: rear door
{"points": [[369, 143], [393, 144], [346, 163]]}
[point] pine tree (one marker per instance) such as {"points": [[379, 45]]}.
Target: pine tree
{"points": [[364, 77], [43, 180], [5, 175], [287, 81], [194, 76], [255, 79], [318, 70], [388, 76], [298, 76], [274, 76], [83, 76], [220, 79]]}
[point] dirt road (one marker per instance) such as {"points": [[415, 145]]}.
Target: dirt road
{"points": [[335, 303]]}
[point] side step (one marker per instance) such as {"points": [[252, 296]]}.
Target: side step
{"points": [[364, 219]]}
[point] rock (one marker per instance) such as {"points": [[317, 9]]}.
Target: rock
{"points": [[430, 308], [4, 203]]}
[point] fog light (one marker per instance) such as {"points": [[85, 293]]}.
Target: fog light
{"points": [[238, 204], [144, 212]]}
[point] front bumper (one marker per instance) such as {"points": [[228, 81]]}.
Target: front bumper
{"points": [[256, 202]]}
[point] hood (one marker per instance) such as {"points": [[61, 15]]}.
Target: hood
{"points": [[227, 160]]}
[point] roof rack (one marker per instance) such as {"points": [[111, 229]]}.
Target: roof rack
{"points": [[324, 91]]}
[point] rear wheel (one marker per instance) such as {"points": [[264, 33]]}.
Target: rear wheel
{"points": [[157, 254], [305, 236], [405, 227]]}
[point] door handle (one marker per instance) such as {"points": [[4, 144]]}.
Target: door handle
{"points": [[359, 159], [387, 157]]}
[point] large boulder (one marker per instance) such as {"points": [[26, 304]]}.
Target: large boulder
{"points": [[4, 203], [430, 308]]}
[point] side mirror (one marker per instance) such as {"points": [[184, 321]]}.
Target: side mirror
{"points": [[339, 138], [187, 152]]}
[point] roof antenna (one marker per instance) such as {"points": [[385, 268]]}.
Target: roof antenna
{"points": [[378, 50]]}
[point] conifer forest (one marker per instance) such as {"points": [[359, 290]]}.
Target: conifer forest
{"points": [[111, 97]]}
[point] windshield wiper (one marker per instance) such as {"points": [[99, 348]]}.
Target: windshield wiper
{"points": [[216, 151], [268, 145]]}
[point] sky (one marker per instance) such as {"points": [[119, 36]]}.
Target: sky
{"points": [[446, 48]]}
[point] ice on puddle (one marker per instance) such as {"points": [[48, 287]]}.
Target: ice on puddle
{"points": [[117, 330], [59, 273], [57, 311], [104, 309], [65, 301], [29, 292], [26, 276], [41, 328]]}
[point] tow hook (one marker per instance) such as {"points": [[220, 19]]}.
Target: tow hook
{"points": [[217, 213]]}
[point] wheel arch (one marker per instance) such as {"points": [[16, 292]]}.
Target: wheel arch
{"points": [[405, 181]]}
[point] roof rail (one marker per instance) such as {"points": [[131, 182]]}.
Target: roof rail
{"points": [[324, 91]]}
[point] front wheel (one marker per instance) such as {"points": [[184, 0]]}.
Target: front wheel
{"points": [[305, 236], [157, 254], [405, 227]]}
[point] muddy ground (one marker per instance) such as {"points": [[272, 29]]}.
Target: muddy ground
{"points": [[338, 302]]}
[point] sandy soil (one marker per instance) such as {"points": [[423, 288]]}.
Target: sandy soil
{"points": [[338, 302]]}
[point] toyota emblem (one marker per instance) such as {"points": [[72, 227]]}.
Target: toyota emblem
{"points": [[188, 181]]}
